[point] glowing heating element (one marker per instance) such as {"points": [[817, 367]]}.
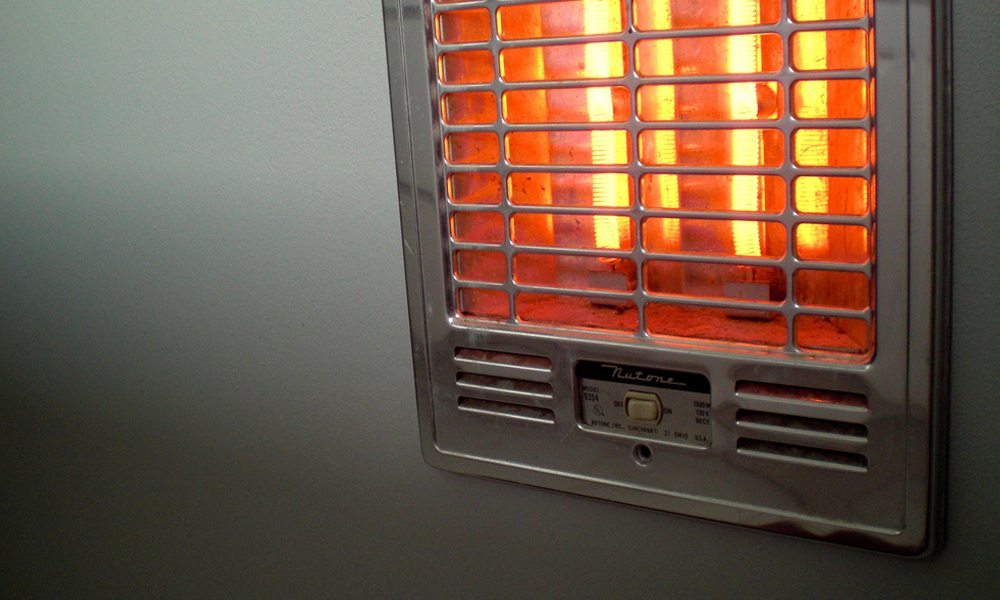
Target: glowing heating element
{"points": [[607, 149], [670, 184], [813, 195], [743, 56], [665, 99]]}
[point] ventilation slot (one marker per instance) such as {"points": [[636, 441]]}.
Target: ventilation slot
{"points": [[802, 426], [773, 391], [803, 455], [502, 386], [507, 410], [807, 426], [506, 365], [503, 358]]}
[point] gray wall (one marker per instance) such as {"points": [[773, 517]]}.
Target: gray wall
{"points": [[206, 383]]}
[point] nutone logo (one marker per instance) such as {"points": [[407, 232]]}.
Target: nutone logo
{"points": [[637, 375]]}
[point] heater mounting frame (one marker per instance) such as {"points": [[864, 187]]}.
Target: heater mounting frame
{"points": [[891, 502]]}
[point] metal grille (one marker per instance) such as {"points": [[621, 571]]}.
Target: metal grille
{"points": [[680, 169]]}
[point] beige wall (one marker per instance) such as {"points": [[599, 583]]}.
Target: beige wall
{"points": [[204, 363]]}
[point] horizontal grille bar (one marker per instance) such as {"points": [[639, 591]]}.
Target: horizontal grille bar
{"points": [[647, 297], [790, 169], [646, 255], [643, 212], [786, 74], [632, 124], [634, 36]]}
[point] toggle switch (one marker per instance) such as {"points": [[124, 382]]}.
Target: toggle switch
{"points": [[643, 406]]}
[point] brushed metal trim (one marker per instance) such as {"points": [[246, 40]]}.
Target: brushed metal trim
{"points": [[906, 382]]}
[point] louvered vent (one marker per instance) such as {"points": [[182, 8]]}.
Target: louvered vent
{"points": [[667, 169], [504, 384], [814, 427]]}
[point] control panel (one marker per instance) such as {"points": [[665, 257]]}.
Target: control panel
{"points": [[670, 407]]}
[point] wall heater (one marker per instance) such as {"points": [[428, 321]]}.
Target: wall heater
{"points": [[688, 255]]}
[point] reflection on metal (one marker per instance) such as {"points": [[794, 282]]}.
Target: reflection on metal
{"points": [[687, 189]]}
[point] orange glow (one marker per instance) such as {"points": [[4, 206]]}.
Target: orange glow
{"points": [[571, 272], [565, 105], [469, 108], [568, 148], [477, 227], [462, 26], [708, 102], [833, 289], [607, 148], [483, 304], [850, 336], [576, 311], [700, 14], [664, 98], [562, 18], [712, 147], [831, 99], [561, 62], [851, 243], [843, 49], [669, 278], [710, 193], [474, 188], [707, 55], [848, 195], [845, 148], [466, 66], [744, 57], [715, 324], [528, 230], [538, 185], [823, 10], [480, 265], [711, 232], [561, 136], [472, 148], [813, 193], [564, 189]]}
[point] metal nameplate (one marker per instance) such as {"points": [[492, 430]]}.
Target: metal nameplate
{"points": [[685, 400]]}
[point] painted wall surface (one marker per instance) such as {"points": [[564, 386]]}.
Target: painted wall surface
{"points": [[204, 363]]}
